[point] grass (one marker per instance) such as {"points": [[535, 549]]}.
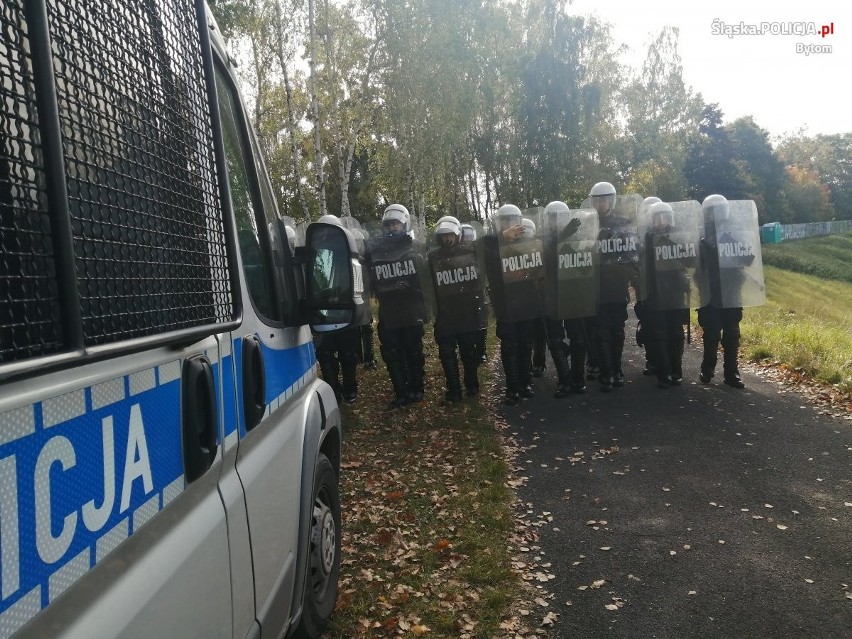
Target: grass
{"points": [[828, 257], [427, 516], [807, 320]]}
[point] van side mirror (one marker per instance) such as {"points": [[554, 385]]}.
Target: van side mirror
{"points": [[329, 277]]}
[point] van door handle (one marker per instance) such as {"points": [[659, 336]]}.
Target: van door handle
{"points": [[198, 420], [254, 382]]}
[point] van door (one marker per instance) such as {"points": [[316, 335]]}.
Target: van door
{"points": [[274, 366]]}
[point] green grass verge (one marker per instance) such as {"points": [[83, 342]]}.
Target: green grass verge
{"points": [[807, 320]]}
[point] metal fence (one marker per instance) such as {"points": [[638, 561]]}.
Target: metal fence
{"points": [[812, 229]]}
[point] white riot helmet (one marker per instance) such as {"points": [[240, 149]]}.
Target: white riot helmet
{"points": [[529, 228], [468, 234], [506, 217], [449, 218], [603, 197], [556, 207], [662, 215], [715, 207], [445, 229], [330, 219], [398, 213], [648, 202]]}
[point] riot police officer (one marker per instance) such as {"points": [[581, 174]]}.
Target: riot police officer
{"points": [[458, 296], [515, 276], [569, 243], [725, 263], [670, 258], [619, 268], [397, 269]]}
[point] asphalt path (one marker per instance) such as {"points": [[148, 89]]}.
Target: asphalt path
{"points": [[707, 511]]}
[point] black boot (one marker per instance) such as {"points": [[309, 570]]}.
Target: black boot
{"points": [[513, 379], [471, 374], [559, 353], [708, 361], [399, 381], [350, 380], [418, 377], [368, 358], [617, 374], [661, 357], [451, 371], [729, 363], [676, 360]]}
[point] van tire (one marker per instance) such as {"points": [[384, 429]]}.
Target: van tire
{"points": [[323, 568]]}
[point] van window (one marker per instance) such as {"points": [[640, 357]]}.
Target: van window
{"points": [[248, 229], [121, 176]]}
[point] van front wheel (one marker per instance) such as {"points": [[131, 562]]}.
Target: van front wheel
{"points": [[324, 559]]}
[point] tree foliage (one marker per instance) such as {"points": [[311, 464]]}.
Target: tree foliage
{"points": [[459, 107]]}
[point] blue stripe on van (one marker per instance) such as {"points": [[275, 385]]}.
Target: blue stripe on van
{"points": [[287, 371], [69, 507]]}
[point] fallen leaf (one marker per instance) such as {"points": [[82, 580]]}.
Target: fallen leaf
{"points": [[598, 583], [809, 581], [692, 592], [582, 587], [781, 527], [611, 607], [606, 547]]}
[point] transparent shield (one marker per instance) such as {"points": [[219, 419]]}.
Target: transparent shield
{"points": [[571, 264], [513, 260], [740, 263], [671, 257], [458, 289], [401, 282], [618, 246]]}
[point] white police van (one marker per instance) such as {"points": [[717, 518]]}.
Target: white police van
{"points": [[169, 459]]}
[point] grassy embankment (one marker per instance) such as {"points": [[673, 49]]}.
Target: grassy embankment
{"points": [[807, 320]]}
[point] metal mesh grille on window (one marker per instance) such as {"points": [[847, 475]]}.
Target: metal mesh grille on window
{"points": [[147, 224], [29, 306]]}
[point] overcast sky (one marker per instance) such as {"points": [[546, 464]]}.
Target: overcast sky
{"points": [[759, 75]]}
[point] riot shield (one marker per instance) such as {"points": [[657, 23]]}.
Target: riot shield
{"points": [[740, 262], [618, 246], [571, 263], [514, 263], [400, 279], [458, 289], [671, 256]]}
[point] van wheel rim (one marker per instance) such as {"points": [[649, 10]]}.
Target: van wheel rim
{"points": [[323, 543]]}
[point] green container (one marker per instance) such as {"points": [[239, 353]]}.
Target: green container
{"points": [[770, 233]]}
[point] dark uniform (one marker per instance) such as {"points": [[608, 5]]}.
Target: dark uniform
{"points": [[458, 295], [397, 267]]}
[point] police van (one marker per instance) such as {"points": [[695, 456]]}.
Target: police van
{"points": [[169, 459]]}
